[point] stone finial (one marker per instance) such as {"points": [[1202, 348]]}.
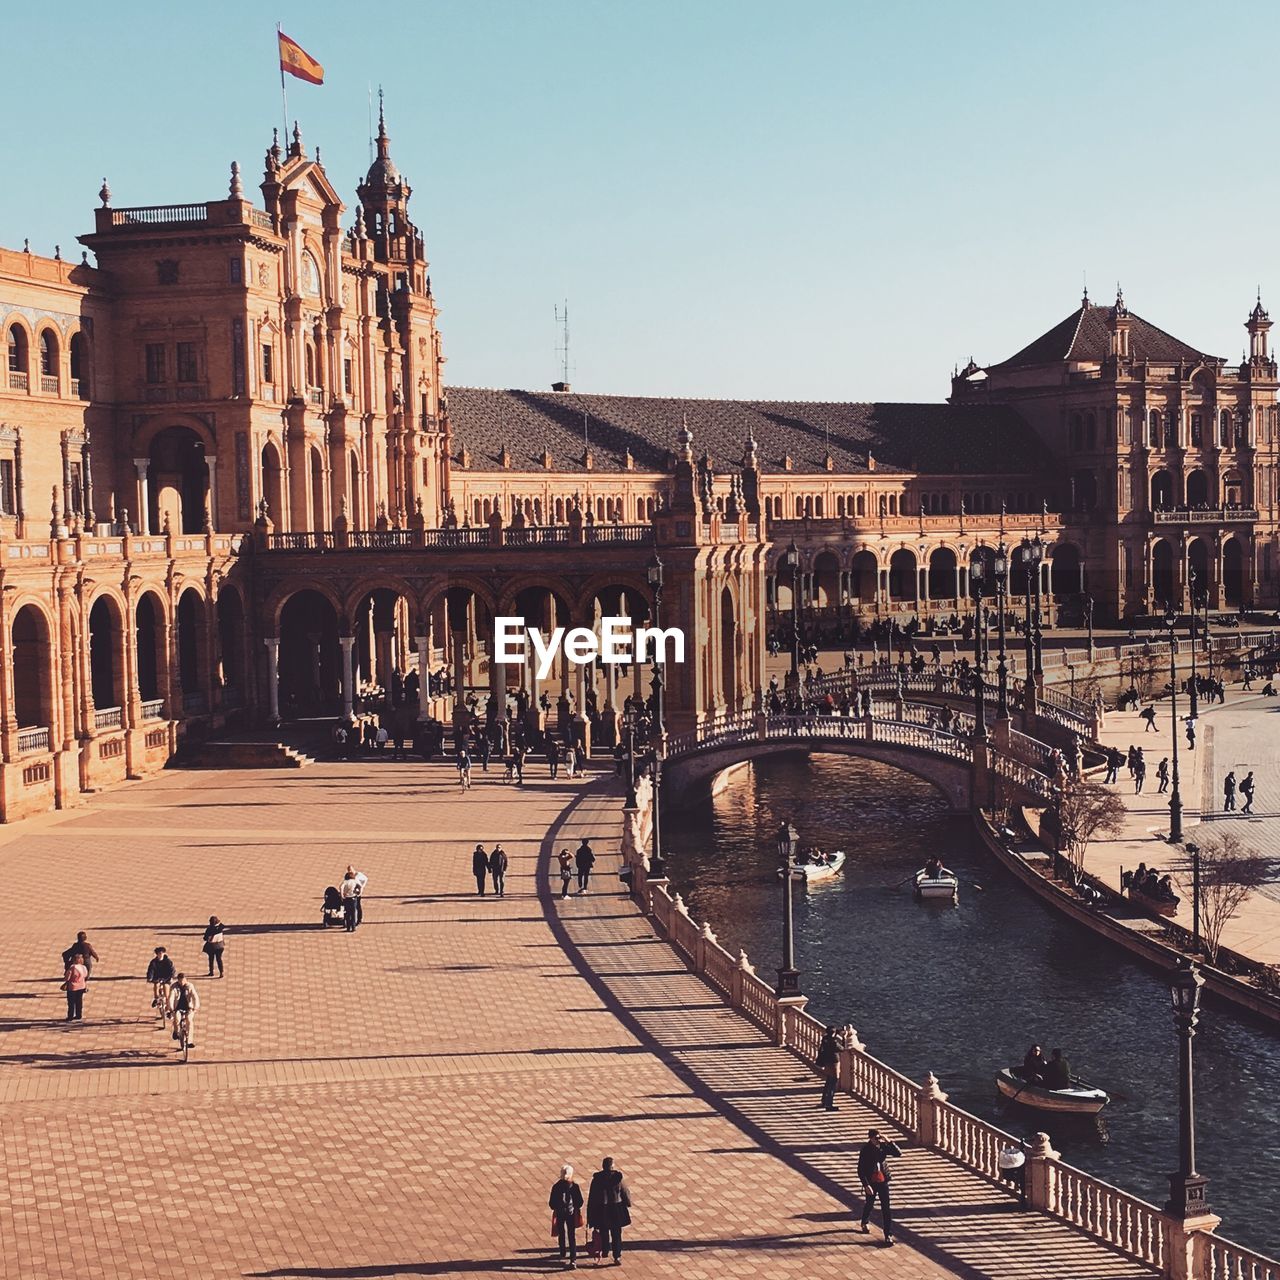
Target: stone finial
{"points": [[57, 252], [684, 438], [360, 227], [850, 1039], [84, 257], [706, 933], [121, 521], [932, 1089], [744, 964], [167, 527], [26, 245], [1041, 1147], [237, 187], [104, 194], [57, 526], [750, 454]]}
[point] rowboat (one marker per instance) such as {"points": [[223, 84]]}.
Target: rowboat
{"points": [[1079, 1099], [810, 871], [1167, 907], [944, 885]]}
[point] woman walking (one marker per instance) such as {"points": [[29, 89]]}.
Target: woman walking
{"points": [[214, 941], [74, 982], [566, 872], [566, 1215]]}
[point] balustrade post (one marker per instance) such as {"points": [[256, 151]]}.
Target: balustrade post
{"points": [[928, 1097], [762, 725], [849, 1045], [741, 970], [1186, 1245], [787, 1008], [1041, 1177], [706, 940]]}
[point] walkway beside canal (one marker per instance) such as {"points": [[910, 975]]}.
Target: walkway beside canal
{"points": [[397, 1102]]}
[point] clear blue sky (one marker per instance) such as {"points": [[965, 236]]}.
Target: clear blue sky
{"points": [[825, 201]]}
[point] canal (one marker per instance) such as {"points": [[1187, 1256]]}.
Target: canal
{"points": [[962, 991]]}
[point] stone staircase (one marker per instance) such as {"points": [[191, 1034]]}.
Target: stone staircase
{"points": [[241, 755]]}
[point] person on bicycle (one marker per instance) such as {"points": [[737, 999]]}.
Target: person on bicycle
{"points": [[160, 975], [184, 999]]}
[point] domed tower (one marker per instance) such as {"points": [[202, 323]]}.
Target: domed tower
{"points": [[384, 199]]}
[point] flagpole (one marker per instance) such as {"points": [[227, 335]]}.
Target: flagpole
{"points": [[284, 97]]}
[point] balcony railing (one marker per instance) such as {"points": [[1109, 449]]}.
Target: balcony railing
{"points": [[300, 542], [1205, 515], [380, 539], [315, 395], [617, 533], [159, 214], [35, 739], [107, 718], [17, 381], [153, 709], [49, 384]]}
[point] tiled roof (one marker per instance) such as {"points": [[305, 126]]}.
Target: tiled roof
{"points": [[932, 438], [1084, 335]]}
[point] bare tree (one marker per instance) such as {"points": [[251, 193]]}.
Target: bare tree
{"points": [[1088, 810], [1230, 871]]}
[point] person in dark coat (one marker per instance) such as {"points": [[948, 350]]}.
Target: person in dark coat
{"points": [[609, 1208], [480, 868], [873, 1173], [498, 862], [827, 1062], [585, 859], [566, 1214]]}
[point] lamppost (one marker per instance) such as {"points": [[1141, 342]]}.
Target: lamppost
{"points": [[1175, 800], [1088, 622], [976, 572], [791, 558], [1002, 668], [1191, 590], [657, 865], [1032, 554], [1194, 851], [1187, 1188], [629, 735], [788, 974]]}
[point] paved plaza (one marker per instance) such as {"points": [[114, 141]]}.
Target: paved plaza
{"points": [[397, 1102], [1242, 733]]}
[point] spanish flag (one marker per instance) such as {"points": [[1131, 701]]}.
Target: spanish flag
{"points": [[298, 62]]}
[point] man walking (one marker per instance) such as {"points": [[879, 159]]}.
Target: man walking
{"points": [[609, 1208], [1246, 790], [1139, 774], [480, 867], [1162, 774], [873, 1173], [1149, 715], [1229, 792], [585, 859], [828, 1063], [553, 756], [498, 870], [83, 948]]}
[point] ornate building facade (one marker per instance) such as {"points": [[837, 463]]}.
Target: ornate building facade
{"points": [[232, 482]]}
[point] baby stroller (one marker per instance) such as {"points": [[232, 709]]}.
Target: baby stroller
{"points": [[332, 912]]}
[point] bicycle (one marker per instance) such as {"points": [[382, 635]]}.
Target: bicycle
{"points": [[161, 1001], [183, 1030]]}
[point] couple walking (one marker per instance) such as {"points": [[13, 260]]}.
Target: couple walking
{"points": [[608, 1211], [490, 864]]}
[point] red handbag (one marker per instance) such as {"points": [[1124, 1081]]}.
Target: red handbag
{"points": [[555, 1229]]}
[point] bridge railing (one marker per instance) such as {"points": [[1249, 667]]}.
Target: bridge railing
{"points": [[1125, 1223]]}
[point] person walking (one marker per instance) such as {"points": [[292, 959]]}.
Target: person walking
{"points": [[585, 859], [566, 1214], [609, 1208], [350, 892], [553, 756], [570, 759], [1162, 774], [1139, 775], [566, 872], [828, 1063], [1191, 733], [464, 769], [83, 948], [215, 940], [480, 867], [1246, 790], [498, 863], [873, 1173], [74, 981], [1149, 715], [358, 892], [1229, 792]]}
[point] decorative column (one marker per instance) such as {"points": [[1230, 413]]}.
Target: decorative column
{"points": [[144, 497], [212, 464], [273, 678], [86, 455], [348, 675], [423, 644]]}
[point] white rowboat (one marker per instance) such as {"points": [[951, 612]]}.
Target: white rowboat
{"points": [[944, 885], [1079, 1099], [816, 870]]}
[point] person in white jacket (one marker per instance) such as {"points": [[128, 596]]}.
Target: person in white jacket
{"points": [[183, 996]]}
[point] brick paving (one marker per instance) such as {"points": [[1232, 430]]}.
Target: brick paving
{"points": [[397, 1102]]}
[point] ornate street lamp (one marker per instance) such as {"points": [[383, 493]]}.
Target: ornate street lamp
{"points": [[1032, 553], [1088, 622], [657, 865], [976, 572], [629, 737], [1191, 590], [1175, 800], [1002, 668], [791, 559], [788, 974], [1194, 851], [1187, 1188]]}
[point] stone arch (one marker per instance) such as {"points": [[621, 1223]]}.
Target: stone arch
{"points": [[106, 652], [355, 492], [49, 355], [273, 608], [729, 648], [191, 644], [1232, 488], [177, 479], [310, 670], [902, 575], [942, 573], [1198, 564], [31, 658], [1161, 490], [1197, 489], [81, 364], [864, 576], [1163, 575], [1234, 564], [232, 635], [315, 475], [273, 483], [18, 343], [151, 646], [826, 580], [384, 622]]}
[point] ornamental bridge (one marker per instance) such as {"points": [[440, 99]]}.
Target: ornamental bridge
{"points": [[970, 772]]}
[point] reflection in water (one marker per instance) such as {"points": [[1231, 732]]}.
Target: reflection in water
{"points": [[962, 991]]}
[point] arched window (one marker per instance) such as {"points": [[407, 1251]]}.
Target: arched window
{"points": [[559, 511], [48, 359], [893, 504], [311, 365], [1154, 426], [817, 506], [1197, 430], [476, 508], [1224, 428], [861, 505], [799, 507], [17, 357], [79, 366]]}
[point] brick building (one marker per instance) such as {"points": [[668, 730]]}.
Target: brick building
{"points": [[274, 368]]}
